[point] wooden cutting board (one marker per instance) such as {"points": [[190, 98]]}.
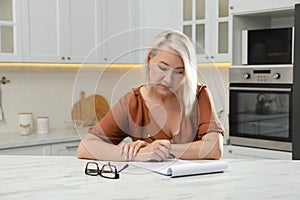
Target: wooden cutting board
{"points": [[90, 109]]}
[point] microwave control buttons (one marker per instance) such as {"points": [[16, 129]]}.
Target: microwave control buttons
{"points": [[276, 76], [246, 76]]}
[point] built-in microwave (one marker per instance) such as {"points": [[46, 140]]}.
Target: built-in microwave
{"points": [[268, 46]]}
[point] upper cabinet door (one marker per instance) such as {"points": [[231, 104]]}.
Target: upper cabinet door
{"points": [[206, 22], [221, 39], [81, 30], [117, 31], [10, 31], [41, 31], [154, 17]]}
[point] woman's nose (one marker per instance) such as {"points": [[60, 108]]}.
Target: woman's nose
{"points": [[168, 76]]}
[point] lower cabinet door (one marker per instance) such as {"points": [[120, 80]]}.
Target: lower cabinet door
{"points": [[239, 152], [64, 149], [37, 150]]}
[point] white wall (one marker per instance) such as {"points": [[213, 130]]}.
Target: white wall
{"points": [[50, 93]]}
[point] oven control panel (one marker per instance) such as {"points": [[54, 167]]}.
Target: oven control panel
{"points": [[261, 74]]}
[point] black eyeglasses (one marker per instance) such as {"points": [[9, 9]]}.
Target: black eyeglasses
{"points": [[107, 170]]}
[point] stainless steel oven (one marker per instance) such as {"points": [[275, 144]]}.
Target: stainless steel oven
{"points": [[260, 106]]}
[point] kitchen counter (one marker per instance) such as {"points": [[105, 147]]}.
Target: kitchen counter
{"points": [[62, 177], [14, 139]]}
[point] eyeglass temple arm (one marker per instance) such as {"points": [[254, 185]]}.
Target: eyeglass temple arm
{"points": [[124, 167]]}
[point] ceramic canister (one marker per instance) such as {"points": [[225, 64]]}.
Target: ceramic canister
{"points": [[42, 125], [25, 123]]}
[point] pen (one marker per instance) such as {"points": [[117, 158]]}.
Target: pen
{"points": [[151, 137], [172, 156]]}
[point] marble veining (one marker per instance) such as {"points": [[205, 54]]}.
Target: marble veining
{"points": [[62, 177]]}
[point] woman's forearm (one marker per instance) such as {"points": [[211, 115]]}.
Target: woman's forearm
{"points": [[92, 147], [210, 147]]}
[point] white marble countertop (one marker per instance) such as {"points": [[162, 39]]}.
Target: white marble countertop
{"points": [[14, 139], [42, 177]]}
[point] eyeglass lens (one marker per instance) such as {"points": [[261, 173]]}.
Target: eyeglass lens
{"points": [[92, 169], [109, 171]]}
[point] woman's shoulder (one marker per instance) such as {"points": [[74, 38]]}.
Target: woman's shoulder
{"points": [[201, 88], [133, 96]]}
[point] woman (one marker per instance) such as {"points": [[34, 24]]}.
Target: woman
{"points": [[170, 115]]}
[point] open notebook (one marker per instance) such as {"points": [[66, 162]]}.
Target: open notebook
{"points": [[177, 168]]}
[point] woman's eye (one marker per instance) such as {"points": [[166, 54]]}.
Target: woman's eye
{"points": [[162, 68], [178, 72]]}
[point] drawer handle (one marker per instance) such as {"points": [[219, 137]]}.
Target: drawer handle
{"points": [[72, 147]]}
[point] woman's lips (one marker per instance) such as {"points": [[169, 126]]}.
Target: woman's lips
{"points": [[164, 86]]}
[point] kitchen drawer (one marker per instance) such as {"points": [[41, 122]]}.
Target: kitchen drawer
{"points": [[231, 151], [38, 150]]}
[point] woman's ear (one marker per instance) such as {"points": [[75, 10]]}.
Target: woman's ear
{"points": [[148, 60]]}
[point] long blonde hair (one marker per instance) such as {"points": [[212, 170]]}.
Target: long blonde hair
{"points": [[180, 43]]}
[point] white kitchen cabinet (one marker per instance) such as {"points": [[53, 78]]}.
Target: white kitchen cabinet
{"points": [[231, 151], [64, 149], [10, 31], [38, 150], [117, 31], [154, 17], [256, 6], [54, 149], [59, 31], [76, 31], [207, 23]]}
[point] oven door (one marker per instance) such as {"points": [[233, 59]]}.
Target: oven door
{"points": [[260, 115]]}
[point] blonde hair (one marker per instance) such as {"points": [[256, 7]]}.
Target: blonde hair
{"points": [[180, 43]]}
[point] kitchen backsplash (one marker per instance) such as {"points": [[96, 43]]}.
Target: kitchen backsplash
{"points": [[53, 93]]}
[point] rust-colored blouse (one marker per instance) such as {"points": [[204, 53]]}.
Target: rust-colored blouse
{"points": [[130, 117]]}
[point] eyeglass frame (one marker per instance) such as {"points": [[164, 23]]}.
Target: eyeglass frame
{"points": [[113, 169]]}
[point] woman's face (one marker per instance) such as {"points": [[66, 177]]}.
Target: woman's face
{"points": [[166, 71]]}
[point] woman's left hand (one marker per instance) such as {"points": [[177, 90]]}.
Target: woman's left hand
{"points": [[130, 149]]}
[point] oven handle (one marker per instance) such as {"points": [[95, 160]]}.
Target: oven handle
{"points": [[261, 89]]}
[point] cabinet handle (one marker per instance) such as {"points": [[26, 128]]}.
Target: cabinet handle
{"points": [[105, 59], [71, 147], [230, 151], [212, 57], [69, 58], [231, 7], [206, 57], [63, 58]]}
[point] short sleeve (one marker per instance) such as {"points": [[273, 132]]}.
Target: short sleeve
{"points": [[208, 120], [113, 126]]}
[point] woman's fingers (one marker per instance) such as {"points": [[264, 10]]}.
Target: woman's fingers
{"points": [[129, 150], [161, 149], [138, 146]]}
